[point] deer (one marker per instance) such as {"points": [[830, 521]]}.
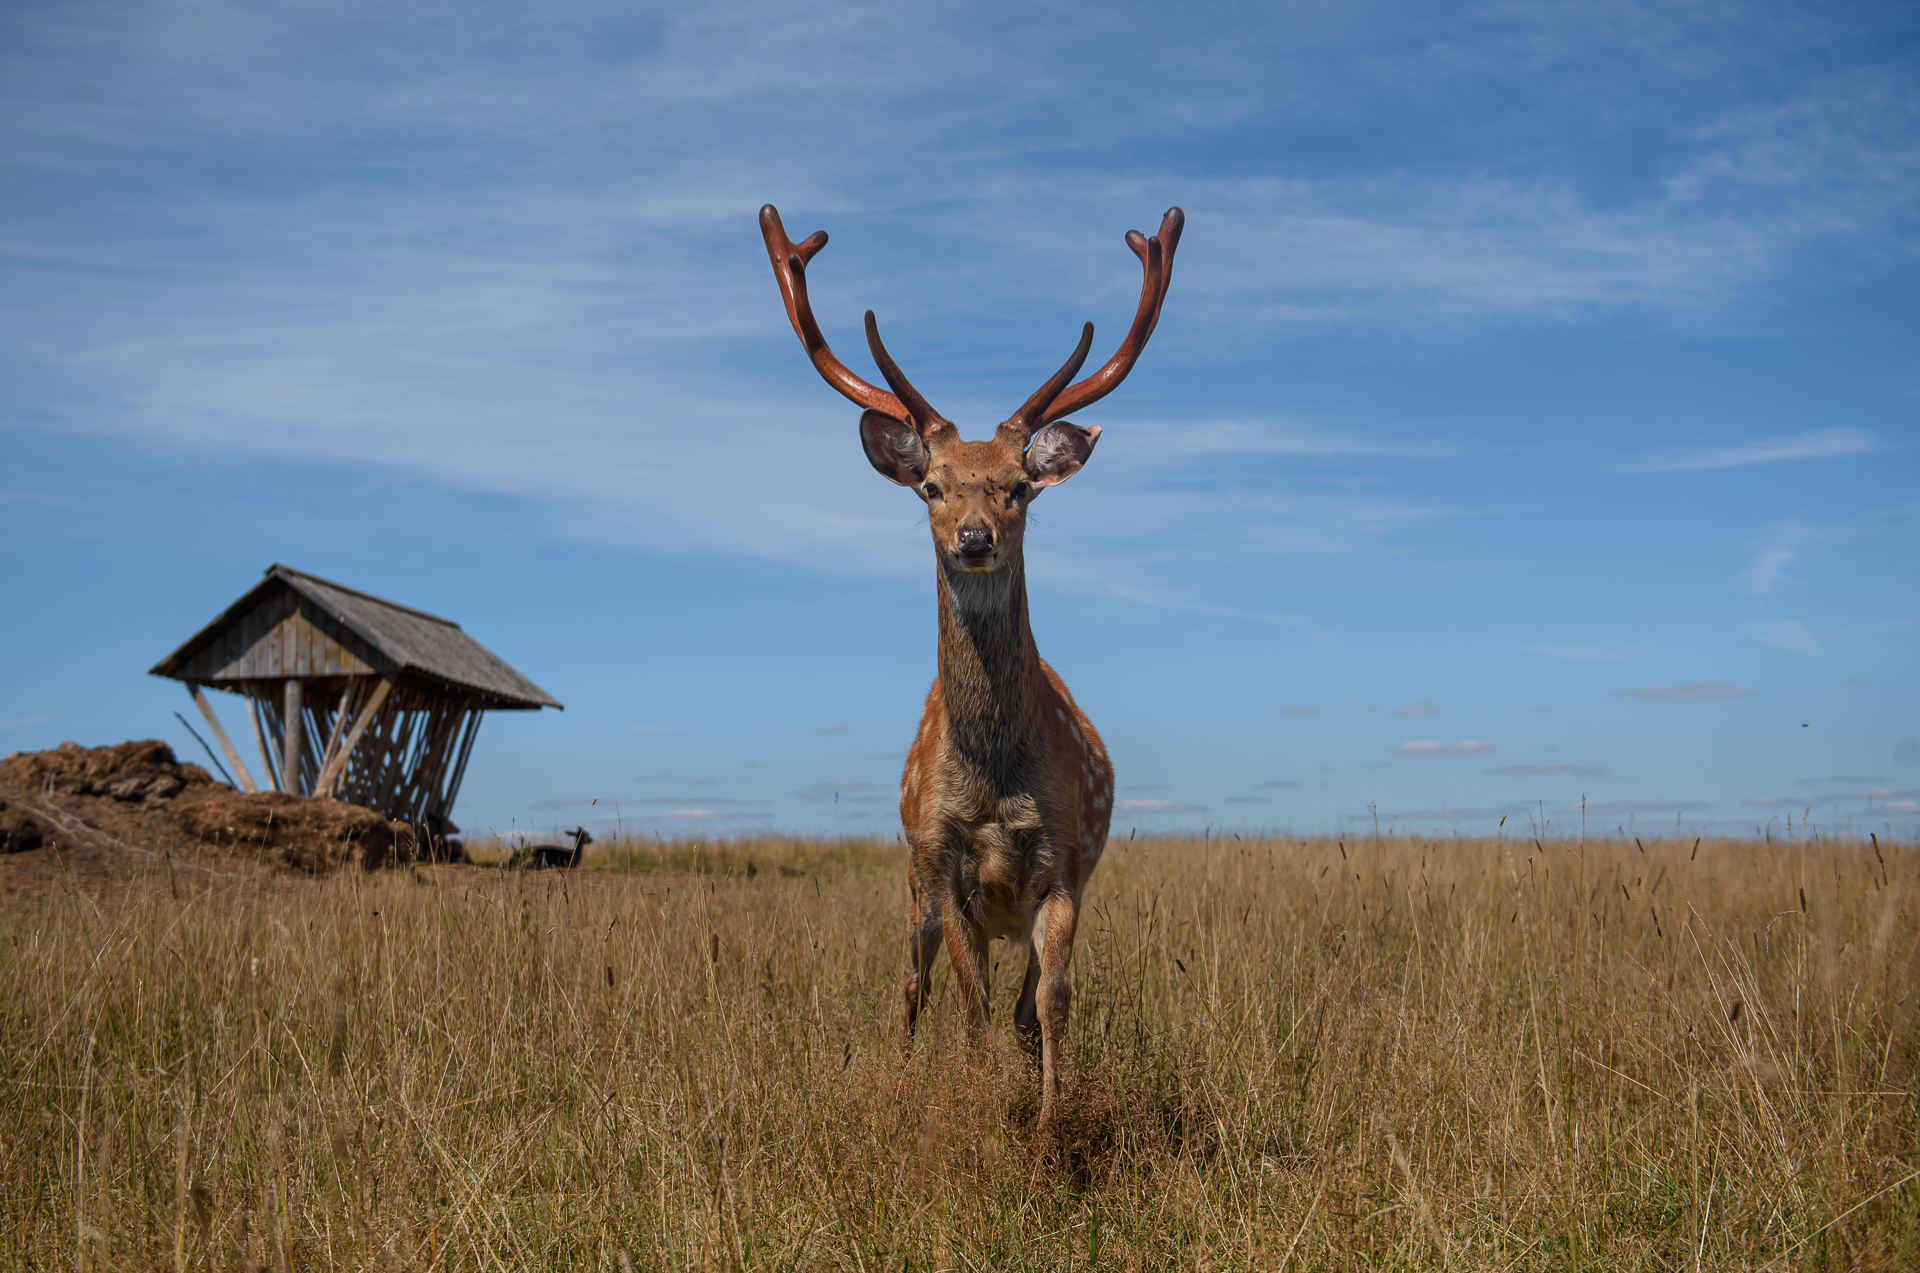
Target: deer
{"points": [[559, 856], [1007, 792]]}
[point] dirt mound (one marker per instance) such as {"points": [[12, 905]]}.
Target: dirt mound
{"points": [[315, 836], [129, 771], [108, 810]]}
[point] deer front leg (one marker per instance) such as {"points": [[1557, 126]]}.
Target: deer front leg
{"points": [[1053, 951], [923, 944]]}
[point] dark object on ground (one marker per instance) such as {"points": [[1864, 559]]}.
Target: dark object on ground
{"points": [[19, 833], [558, 855], [437, 843]]}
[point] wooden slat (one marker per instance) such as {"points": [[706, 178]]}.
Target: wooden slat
{"points": [[339, 762], [267, 761], [451, 792], [333, 735], [226, 744]]}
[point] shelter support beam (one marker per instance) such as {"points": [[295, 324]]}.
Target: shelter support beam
{"points": [[260, 737], [226, 744], [337, 765]]}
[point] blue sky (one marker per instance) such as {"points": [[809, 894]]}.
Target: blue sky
{"points": [[1533, 414]]}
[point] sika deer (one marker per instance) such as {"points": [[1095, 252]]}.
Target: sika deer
{"points": [[1007, 791]]}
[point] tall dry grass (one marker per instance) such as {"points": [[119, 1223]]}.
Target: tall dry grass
{"points": [[1392, 1054]]}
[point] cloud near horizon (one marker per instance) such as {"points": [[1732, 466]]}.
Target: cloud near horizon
{"points": [[1443, 813], [822, 792], [1434, 747], [1582, 771], [1157, 806], [1414, 707], [1616, 808], [1693, 690]]}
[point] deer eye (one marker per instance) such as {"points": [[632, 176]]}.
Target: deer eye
{"points": [[929, 490], [1022, 489]]}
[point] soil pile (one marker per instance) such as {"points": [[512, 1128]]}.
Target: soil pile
{"points": [[108, 810]]}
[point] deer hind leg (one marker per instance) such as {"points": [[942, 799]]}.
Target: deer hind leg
{"points": [[1053, 950], [1026, 1015], [967, 948], [923, 946]]}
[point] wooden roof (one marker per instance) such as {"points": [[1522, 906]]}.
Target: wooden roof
{"points": [[293, 624]]}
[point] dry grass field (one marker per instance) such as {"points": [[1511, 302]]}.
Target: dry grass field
{"points": [[1391, 1054]]}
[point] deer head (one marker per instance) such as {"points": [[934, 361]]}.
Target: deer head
{"points": [[976, 493]]}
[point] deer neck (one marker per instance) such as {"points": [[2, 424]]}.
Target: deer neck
{"points": [[989, 664]]}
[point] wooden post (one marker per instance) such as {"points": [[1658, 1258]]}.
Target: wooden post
{"points": [[338, 764], [226, 744], [296, 737]]}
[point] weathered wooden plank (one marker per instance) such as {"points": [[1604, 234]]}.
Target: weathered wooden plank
{"points": [[226, 744]]}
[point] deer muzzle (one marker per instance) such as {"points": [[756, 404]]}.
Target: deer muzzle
{"points": [[976, 544]]}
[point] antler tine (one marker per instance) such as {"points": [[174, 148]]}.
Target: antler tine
{"points": [[790, 271], [1028, 416], [1156, 265], [920, 412]]}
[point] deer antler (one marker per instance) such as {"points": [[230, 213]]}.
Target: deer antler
{"points": [[920, 413], [1051, 402], [790, 270], [1027, 418]]}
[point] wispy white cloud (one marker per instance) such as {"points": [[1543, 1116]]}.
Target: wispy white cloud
{"points": [[1787, 634], [520, 316], [1434, 747], [1415, 707], [1583, 771], [1693, 690], [1769, 564], [1578, 653], [1821, 444]]}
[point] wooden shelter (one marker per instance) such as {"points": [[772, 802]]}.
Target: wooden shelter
{"points": [[350, 695]]}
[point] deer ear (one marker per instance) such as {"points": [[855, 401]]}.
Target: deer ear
{"points": [[893, 448], [1058, 451]]}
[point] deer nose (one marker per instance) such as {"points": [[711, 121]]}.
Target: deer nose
{"points": [[976, 541]]}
